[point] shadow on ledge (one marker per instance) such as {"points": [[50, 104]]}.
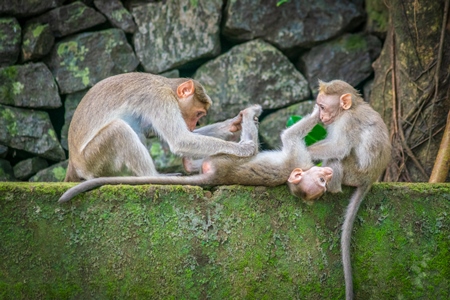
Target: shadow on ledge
{"points": [[232, 242]]}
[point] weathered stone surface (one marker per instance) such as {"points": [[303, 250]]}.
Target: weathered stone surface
{"points": [[173, 33], [37, 41], [71, 18], [185, 242], [348, 58], [272, 125], [117, 15], [3, 151], [24, 8], [31, 131], [6, 171], [31, 85], [70, 104], [253, 72], [292, 24], [10, 37], [165, 161], [28, 167], [83, 60], [54, 173]]}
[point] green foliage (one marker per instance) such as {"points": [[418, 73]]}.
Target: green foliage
{"points": [[316, 134], [282, 2]]}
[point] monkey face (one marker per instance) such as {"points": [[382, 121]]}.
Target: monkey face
{"points": [[192, 110], [330, 106], [310, 184]]}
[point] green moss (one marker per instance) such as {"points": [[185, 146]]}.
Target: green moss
{"points": [[37, 31], [378, 14], [9, 117], [181, 242], [118, 14], [59, 173], [354, 42]]}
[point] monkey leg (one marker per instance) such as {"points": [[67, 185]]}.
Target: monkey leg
{"points": [[116, 150], [335, 184]]}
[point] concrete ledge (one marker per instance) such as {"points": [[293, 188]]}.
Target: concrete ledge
{"points": [[180, 242]]}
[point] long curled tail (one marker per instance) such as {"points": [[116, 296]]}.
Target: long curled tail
{"points": [[130, 180], [347, 227]]}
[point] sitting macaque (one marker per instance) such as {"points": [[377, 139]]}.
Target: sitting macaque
{"points": [[107, 127], [357, 148], [291, 164]]}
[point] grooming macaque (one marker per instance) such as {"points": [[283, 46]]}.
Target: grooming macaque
{"points": [[107, 127], [357, 148], [269, 168]]}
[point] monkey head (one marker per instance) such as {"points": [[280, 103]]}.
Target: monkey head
{"points": [[193, 102], [309, 184], [335, 97]]}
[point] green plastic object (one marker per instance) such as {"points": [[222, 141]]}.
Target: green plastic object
{"points": [[316, 134]]}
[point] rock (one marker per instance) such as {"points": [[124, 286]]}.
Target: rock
{"points": [[26, 168], [6, 171], [10, 37], [37, 41], [3, 151], [272, 125], [117, 15], [31, 85], [31, 131], [348, 58], [250, 73], [26, 8], [70, 104], [175, 73], [54, 173], [165, 161], [71, 18], [292, 24], [84, 59], [173, 33]]}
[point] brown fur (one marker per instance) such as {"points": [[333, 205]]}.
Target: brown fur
{"points": [[107, 127], [269, 168], [357, 148]]}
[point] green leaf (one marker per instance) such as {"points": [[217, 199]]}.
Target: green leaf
{"points": [[316, 134], [282, 2]]}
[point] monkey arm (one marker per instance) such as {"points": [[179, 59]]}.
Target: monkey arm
{"points": [[221, 130], [335, 148], [292, 137]]}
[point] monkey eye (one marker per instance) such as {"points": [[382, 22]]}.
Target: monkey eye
{"points": [[322, 180]]}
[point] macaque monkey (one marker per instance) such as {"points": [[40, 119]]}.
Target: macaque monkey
{"points": [[357, 148], [291, 164], [106, 131]]}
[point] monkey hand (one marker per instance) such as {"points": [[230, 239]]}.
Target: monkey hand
{"points": [[236, 123], [315, 112], [252, 112]]}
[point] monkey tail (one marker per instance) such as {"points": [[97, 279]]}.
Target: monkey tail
{"points": [[347, 227], [96, 182]]}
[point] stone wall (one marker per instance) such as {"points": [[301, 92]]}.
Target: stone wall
{"points": [[244, 52], [180, 242]]}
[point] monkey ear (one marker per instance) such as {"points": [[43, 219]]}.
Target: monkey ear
{"points": [[346, 101], [186, 89], [296, 176]]}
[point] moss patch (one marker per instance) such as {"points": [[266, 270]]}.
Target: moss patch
{"points": [[181, 242]]}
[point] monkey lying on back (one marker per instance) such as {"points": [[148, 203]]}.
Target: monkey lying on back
{"points": [[357, 148], [268, 168], [107, 126]]}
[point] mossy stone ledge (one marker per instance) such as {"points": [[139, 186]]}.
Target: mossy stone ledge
{"points": [[231, 242]]}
